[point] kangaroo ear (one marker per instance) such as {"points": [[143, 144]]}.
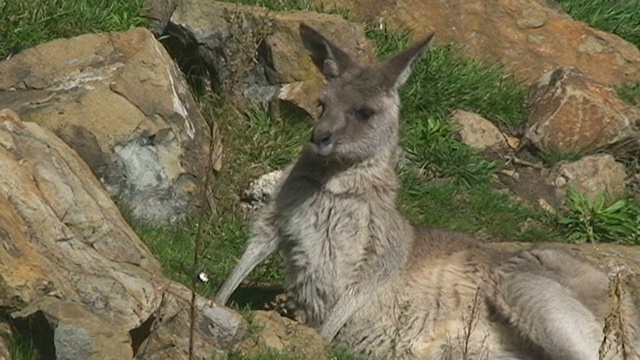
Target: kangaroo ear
{"points": [[330, 59], [398, 68]]}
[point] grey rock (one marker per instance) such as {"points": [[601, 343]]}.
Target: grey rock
{"points": [[72, 260], [122, 104], [590, 176]]}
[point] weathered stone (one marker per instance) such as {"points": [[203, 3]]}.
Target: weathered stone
{"points": [[572, 113], [120, 102], [591, 176], [275, 333], [258, 54], [71, 257], [528, 37], [478, 132]]}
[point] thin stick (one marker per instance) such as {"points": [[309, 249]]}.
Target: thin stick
{"points": [[198, 241]]}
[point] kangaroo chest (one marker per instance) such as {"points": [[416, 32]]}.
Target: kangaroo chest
{"points": [[325, 239]]}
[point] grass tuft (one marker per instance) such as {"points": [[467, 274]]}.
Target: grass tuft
{"points": [[630, 93], [619, 17], [596, 221], [27, 23]]}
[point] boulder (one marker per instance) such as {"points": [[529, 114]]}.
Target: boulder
{"points": [[277, 334], [528, 37], [71, 262], [252, 53], [591, 176], [120, 102], [572, 113], [478, 132]]}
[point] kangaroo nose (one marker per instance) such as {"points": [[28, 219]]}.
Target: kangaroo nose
{"points": [[323, 141], [323, 138]]}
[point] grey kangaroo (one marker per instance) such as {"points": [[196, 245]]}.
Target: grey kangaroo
{"points": [[370, 281]]}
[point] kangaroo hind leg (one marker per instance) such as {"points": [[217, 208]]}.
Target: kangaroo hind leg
{"points": [[584, 283], [547, 313]]}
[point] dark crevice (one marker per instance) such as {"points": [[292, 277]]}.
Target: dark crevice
{"points": [[140, 334], [37, 330], [186, 53]]}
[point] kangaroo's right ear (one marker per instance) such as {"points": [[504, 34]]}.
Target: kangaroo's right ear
{"points": [[330, 59]]}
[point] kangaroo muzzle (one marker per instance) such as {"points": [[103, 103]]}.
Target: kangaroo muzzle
{"points": [[322, 141]]}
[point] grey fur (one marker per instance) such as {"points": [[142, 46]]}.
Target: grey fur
{"points": [[369, 280]]}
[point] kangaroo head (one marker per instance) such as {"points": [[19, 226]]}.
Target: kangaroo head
{"points": [[360, 104]]}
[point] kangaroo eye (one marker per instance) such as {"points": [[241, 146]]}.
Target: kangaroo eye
{"points": [[320, 106], [364, 113]]}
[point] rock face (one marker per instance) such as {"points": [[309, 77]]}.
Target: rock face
{"points": [[527, 36], [573, 113], [120, 102], [71, 261], [253, 53], [590, 176], [281, 335], [478, 132]]}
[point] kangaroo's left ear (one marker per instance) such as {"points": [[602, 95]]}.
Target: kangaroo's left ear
{"points": [[398, 68], [328, 57]]}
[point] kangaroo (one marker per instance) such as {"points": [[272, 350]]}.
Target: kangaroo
{"points": [[369, 280]]}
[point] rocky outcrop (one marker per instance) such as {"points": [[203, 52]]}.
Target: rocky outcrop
{"points": [[254, 53], [591, 176], [528, 37], [277, 334], [71, 262], [478, 132], [572, 113], [120, 102]]}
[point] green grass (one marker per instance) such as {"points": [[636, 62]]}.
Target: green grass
{"points": [[630, 93], [22, 349], [27, 23], [441, 83], [596, 221], [619, 17]]}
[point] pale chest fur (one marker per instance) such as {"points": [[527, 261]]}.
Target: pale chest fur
{"points": [[327, 233], [324, 240]]}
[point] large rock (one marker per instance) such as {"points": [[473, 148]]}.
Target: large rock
{"points": [[591, 176], [253, 53], [572, 113], [120, 102], [71, 259], [527, 36], [277, 334], [478, 132]]}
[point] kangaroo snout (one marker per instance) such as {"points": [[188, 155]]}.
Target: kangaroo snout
{"points": [[323, 141]]}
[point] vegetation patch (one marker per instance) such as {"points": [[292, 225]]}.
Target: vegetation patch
{"points": [[24, 24]]}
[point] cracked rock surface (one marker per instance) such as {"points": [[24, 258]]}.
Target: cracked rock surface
{"points": [[122, 104], [72, 264]]}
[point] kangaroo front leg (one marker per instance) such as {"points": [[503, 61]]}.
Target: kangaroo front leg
{"points": [[347, 305], [263, 242]]}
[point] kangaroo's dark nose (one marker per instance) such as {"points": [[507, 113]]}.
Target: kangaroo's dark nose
{"points": [[322, 138], [323, 141]]}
